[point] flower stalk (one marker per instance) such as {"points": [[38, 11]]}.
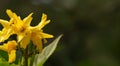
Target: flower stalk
{"points": [[26, 57]]}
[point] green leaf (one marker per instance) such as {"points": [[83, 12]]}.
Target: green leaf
{"points": [[5, 63], [46, 53], [3, 55]]}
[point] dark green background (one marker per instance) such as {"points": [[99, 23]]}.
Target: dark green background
{"points": [[91, 29]]}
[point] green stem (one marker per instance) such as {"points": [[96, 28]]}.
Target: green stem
{"points": [[26, 57]]}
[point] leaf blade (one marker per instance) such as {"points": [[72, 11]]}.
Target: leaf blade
{"points": [[46, 53]]}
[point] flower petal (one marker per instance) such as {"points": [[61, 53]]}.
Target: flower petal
{"points": [[12, 56], [4, 23], [17, 20], [45, 35], [10, 13], [43, 22], [4, 47], [20, 36], [25, 41], [37, 42], [5, 34], [12, 45], [27, 20]]}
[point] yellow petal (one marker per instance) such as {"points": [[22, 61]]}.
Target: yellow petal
{"points": [[5, 34], [12, 45], [17, 20], [25, 41], [45, 35], [43, 22], [4, 23], [27, 20], [20, 36], [12, 56], [37, 42], [9, 12], [4, 47]]}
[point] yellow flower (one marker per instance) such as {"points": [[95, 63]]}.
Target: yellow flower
{"points": [[24, 31], [15, 26], [10, 48], [36, 34]]}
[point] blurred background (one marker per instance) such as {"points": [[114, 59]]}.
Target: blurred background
{"points": [[91, 29]]}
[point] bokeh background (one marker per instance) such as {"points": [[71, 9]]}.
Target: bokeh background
{"points": [[91, 29]]}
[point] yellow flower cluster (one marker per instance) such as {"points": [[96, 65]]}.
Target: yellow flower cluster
{"points": [[24, 33]]}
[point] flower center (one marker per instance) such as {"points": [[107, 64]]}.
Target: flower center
{"points": [[22, 29]]}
